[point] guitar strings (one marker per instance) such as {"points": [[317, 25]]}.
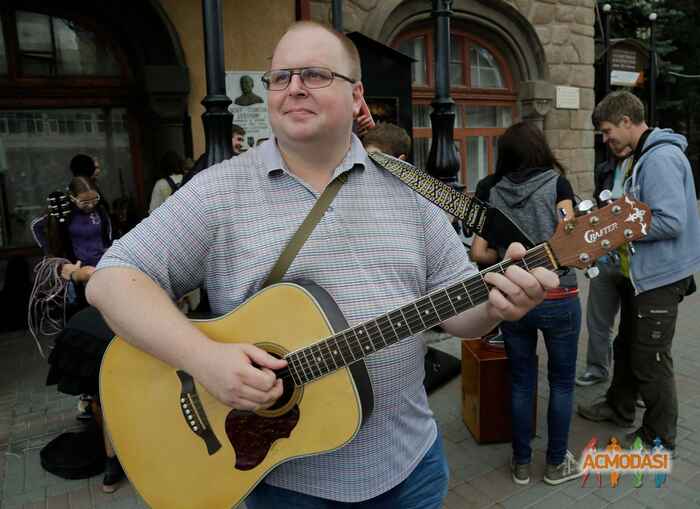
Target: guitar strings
{"points": [[309, 367], [416, 323], [477, 291]]}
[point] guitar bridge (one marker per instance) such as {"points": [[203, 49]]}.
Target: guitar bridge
{"points": [[193, 413]]}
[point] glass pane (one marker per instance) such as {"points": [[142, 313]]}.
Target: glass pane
{"points": [[34, 37], [35, 150], [3, 55], [79, 53], [485, 72], [489, 116], [459, 115], [477, 161], [421, 150], [456, 75], [458, 147], [415, 48], [421, 115], [34, 32]]}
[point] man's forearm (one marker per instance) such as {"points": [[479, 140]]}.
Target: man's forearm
{"points": [[472, 323], [140, 312]]}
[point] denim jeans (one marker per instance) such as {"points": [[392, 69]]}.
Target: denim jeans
{"points": [[560, 323], [424, 488]]}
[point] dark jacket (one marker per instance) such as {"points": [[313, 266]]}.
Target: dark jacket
{"points": [[603, 178]]}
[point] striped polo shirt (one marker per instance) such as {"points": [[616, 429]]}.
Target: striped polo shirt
{"points": [[378, 246]]}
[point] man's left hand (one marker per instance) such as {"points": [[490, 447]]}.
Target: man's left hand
{"points": [[517, 291]]}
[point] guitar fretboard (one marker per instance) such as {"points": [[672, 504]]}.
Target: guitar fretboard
{"points": [[328, 355]]}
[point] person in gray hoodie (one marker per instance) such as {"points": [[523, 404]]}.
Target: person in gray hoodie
{"points": [[530, 185], [658, 269]]}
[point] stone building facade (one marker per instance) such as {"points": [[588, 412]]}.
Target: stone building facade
{"points": [[547, 44]]}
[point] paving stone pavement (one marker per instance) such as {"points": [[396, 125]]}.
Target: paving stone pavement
{"points": [[32, 414]]}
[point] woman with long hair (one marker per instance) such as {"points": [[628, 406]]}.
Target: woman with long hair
{"points": [[530, 185]]}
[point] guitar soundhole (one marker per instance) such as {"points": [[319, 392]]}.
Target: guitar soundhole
{"points": [[287, 393]]}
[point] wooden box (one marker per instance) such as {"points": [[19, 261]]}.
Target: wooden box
{"points": [[486, 392]]}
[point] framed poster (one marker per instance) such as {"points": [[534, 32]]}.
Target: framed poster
{"points": [[249, 107]]}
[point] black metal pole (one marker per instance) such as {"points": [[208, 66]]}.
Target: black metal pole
{"points": [[652, 70], [606, 48], [443, 161], [217, 119], [337, 8]]}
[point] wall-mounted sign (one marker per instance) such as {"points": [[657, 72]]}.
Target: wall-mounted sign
{"points": [[624, 59], [626, 78], [249, 107], [568, 98]]}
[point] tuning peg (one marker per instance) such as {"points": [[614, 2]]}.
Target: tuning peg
{"points": [[632, 250], [605, 196], [585, 206], [592, 272]]}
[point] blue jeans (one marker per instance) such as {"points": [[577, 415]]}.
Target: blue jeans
{"points": [[560, 323], [424, 488]]}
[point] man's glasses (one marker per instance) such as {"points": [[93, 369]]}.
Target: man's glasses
{"points": [[311, 77]]}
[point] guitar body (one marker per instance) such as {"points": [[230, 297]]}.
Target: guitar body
{"points": [[181, 448]]}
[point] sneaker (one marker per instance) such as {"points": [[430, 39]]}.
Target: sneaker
{"points": [[602, 411], [520, 472], [567, 470], [589, 378]]}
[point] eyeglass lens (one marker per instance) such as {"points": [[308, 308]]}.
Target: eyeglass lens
{"points": [[312, 77]]}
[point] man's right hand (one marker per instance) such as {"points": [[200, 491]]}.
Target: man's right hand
{"points": [[240, 375]]}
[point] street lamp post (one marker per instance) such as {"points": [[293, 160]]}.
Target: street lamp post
{"points": [[337, 14], [217, 119], [443, 162], [652, 69], [606, 47]]}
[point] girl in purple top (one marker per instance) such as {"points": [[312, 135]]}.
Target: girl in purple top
{"points": [[84, 237]]}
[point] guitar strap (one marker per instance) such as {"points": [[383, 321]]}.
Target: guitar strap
{"points": [[488, 222], [304, 232]]}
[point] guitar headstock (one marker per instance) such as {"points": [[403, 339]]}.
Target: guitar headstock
{"points": [[59, 205], [579, 241]]}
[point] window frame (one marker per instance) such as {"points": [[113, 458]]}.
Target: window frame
{"points": [[19, 92], [15, 85], [464, 94]]}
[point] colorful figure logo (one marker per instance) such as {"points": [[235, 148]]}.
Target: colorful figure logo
{"points": [[615, 461]]}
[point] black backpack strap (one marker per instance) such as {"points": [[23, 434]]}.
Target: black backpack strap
{"points": [[171, 183]]}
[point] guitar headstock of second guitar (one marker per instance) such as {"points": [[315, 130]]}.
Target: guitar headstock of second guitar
{"points": [[578, 242]]}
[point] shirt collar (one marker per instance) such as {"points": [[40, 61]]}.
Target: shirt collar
{"points": [[271, 156]]}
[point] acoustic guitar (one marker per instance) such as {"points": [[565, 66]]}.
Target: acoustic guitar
{"points": [[182, 448]]}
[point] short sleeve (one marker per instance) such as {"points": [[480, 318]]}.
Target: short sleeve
{"points": [[564, 189], [447, 260], [169, 245]]}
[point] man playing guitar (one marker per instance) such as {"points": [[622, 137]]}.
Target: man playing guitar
{"points": [[378, 246]]}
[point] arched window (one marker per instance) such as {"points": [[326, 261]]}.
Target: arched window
{"points": [[54, 46], [64, 90], [481, 86]]}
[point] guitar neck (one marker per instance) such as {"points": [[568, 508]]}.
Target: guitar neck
{"points": [[338, 351]]}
